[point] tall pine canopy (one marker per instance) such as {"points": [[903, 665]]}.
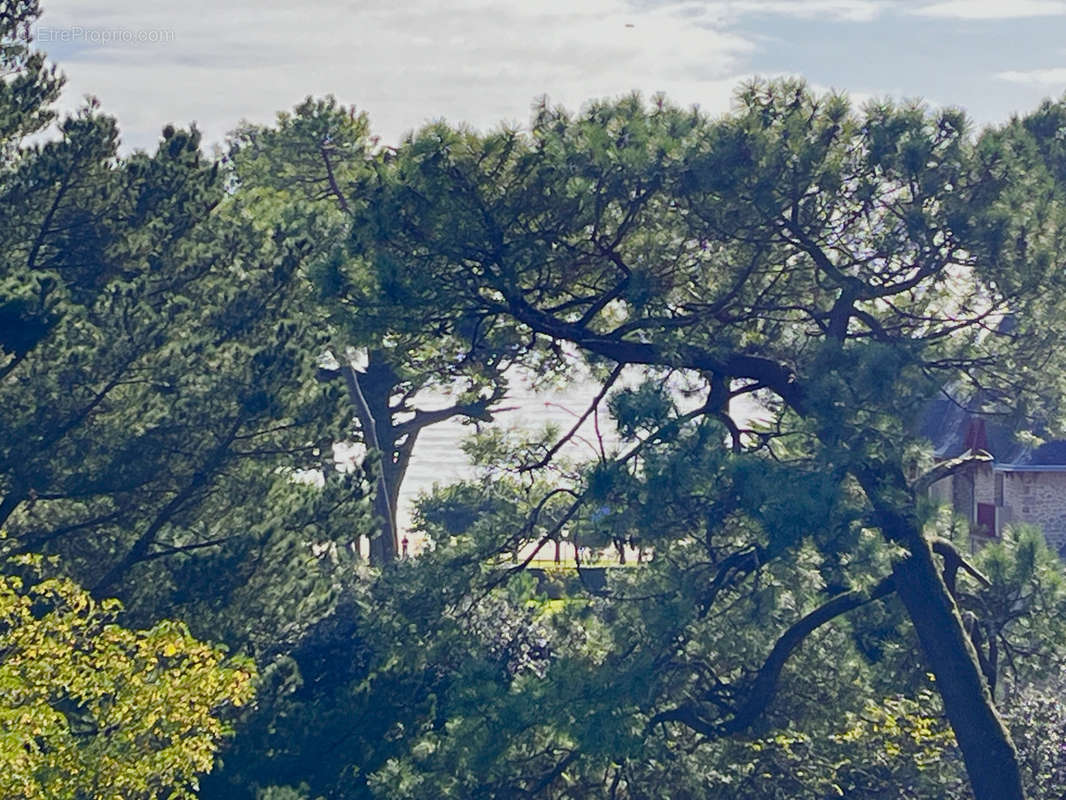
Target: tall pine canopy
{"points": [[840, 266]]}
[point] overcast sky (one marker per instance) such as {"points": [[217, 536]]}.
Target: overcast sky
{"points": [[484, 61]]}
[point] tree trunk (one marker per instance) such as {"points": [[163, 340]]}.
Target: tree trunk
{"points": [[383, 543], [989, 754], [991, 760]]}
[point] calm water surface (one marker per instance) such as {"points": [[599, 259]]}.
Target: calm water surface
{"points": [[438, 458]]}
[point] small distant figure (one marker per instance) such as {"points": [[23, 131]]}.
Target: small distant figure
{"points": [[403, 546]]}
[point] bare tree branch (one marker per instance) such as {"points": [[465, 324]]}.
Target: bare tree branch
{"points": [[950, 467]]}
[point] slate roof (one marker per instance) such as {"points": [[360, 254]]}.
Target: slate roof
{"points": [[954, 428], [1051, 453]]}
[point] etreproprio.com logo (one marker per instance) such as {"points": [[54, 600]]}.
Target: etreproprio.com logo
{"points": [[77, 34]]}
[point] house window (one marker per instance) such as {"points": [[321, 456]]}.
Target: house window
{"points": [[986, 519], [999, 489]]}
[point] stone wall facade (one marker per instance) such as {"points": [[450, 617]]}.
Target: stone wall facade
{"points": [[1019, 495], [1038, 498]]}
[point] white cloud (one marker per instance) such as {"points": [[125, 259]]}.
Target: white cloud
{"points": [[481, 61], [1038, 77], [992, 9], [848, 10]]}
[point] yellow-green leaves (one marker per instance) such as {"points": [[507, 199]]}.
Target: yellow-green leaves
{"points": [[92, 710]]}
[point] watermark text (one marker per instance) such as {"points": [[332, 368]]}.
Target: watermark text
{"points": [[77, 34]]}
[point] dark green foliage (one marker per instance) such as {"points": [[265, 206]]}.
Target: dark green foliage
{"points": [[316, 168], [157, 353], [840, 266], [1037, 719], [175, 337]]}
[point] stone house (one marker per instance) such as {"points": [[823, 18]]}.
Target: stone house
{"points": [[1021, 485]]}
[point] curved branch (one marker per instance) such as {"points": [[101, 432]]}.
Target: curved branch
{"points": [[775, 375], [950, 467], [478, 410], [953, 561], [765, 683], [764, 686]]}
